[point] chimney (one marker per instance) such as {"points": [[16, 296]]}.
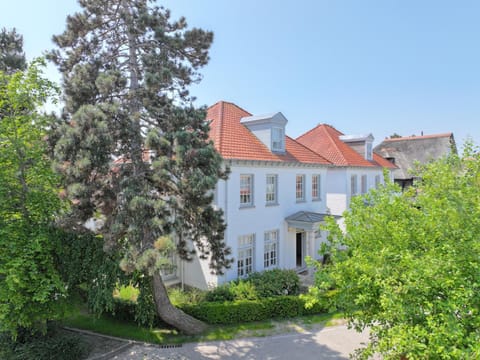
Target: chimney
{"points": [[362, 144]]}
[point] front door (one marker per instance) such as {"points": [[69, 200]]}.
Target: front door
{"points": [[300, 249]]}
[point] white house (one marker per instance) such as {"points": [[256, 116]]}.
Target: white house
{"points": [[279, 190], [356, 168]]}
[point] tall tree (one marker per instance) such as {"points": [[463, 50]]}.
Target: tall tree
{"points": [[12, 57], [30, 287], [126, 68], [411, 272]]}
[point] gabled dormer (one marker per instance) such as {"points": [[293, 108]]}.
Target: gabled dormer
{"points": [[362, 144], [269, 129]]}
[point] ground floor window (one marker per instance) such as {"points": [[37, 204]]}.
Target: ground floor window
{"points": [[245, 264], [169, 269], [270, 254]]}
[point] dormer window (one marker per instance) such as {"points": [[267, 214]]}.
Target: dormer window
{"points": [[269, 129], [278, 139], [369, 151]]}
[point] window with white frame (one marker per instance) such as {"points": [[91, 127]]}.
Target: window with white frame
{"points": [[169, 269], [353, 185], [246, 190], [271, 189], [300, 188], [270, 253], [369, 151], [246, 245], [278, 139], [364, 184], [378, 181], [316, 187]]}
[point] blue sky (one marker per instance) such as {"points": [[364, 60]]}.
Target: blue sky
{"points": [[379, 66]]}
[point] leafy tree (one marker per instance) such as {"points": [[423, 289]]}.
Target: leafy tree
{"points": [[411, 271], [126, 68], [30, 287], [12, 57]]}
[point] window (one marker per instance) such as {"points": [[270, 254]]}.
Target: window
{"points": [[378, 181], [300, 188], [316, 194], [364, 184], [271, 189], [245, 255], [353, 185], [246, 190], [270, 253], [169, 269], [369, 151], [278, 139]]}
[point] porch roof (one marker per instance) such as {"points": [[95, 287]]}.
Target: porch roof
{"points": [[306, 216], [305, 220]]}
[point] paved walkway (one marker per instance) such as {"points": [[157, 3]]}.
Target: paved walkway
{"points": [[335, 342]]}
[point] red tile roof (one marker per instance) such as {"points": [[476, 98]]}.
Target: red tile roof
{"points": [[325, 140], [234, 141]]}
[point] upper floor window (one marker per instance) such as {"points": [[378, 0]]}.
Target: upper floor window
{"points": [[271, 189], [245, 264], [300, 188], [278, 139], [246, 190], [353, 185], [270, 253], [316, 194], [369, 151], [364, 184]]}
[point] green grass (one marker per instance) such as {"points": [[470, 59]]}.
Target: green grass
{"points": [[108, 325]]}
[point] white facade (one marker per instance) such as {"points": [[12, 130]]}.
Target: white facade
{"points": [[293, 242], [339, 185]]}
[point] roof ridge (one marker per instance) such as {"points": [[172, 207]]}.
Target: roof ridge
{"points": [[311, 150], [417, 137], [222, 102], [309, 131], [335, 142]]}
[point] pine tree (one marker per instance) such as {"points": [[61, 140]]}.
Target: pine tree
{"points": [[12, 57], [133, 150]]}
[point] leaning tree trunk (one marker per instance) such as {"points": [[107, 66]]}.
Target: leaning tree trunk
{"points": [[172, 315]]}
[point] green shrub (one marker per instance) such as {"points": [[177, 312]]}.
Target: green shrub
{"points": [[56, 344], [188, 296], [243, 290], [275, 282], [220, 293]]}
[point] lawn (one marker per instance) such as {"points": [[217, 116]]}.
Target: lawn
{"points": [[107, 325]]}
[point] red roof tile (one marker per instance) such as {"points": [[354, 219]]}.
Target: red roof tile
{"points": [[325, 140], [234, 141]]}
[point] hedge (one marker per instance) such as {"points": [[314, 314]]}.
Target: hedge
{"points": [[238, 311], [234, 312]]}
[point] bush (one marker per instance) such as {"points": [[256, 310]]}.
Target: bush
{"points": [[56, 344], [258, 285], [252, 310], [188, 296], [220, 293], [275, 282], [243, 290]]}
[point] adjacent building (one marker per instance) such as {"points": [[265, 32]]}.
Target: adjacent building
{"points": [[404, 152]]}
